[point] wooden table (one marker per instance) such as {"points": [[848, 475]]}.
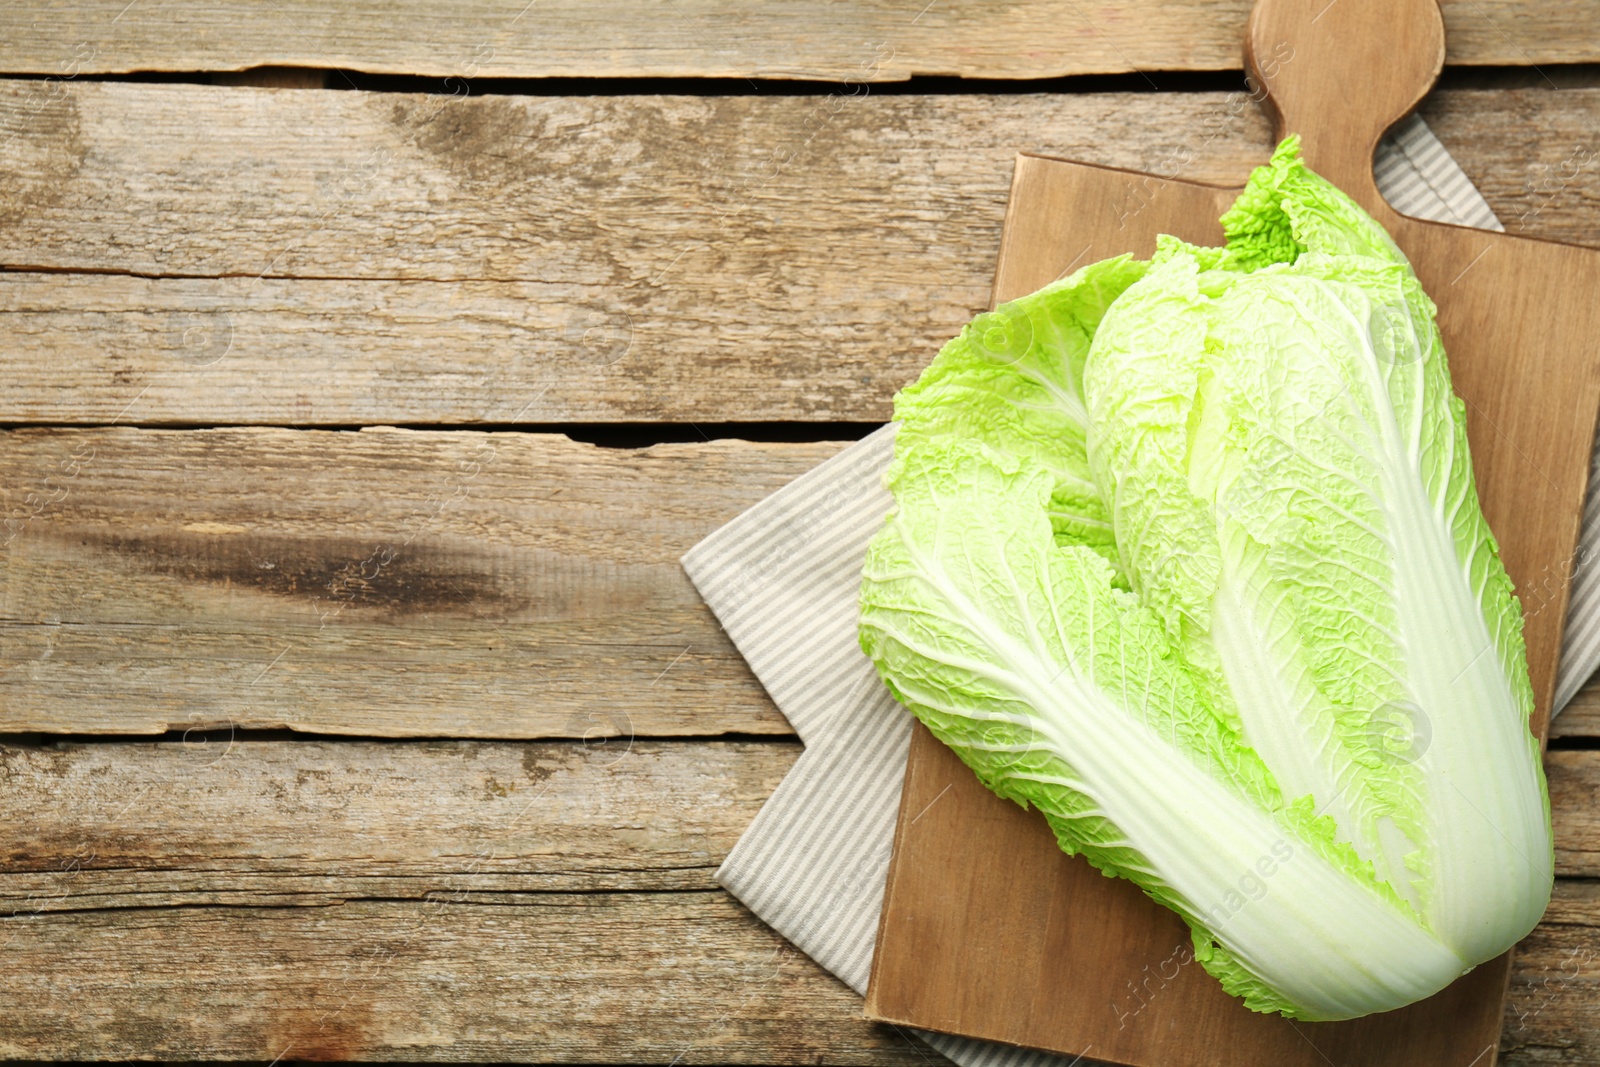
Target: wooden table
{"points": [[359, 406]]}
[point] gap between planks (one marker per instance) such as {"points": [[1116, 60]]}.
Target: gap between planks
{"points": [[870, 41]]}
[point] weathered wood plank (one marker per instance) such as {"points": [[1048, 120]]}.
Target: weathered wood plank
{"points": [[387, 583], [223, 819], [1574, 779], [717, 38], [583, 978], [604, 257], [1581, 717], [472, 900], [427, 260], [1553, 1004]]}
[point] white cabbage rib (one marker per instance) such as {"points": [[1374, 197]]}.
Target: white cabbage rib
{"points": [[1486, 853], [1487, 831]]}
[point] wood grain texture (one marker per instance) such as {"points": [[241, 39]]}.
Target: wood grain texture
{"points": [[585, 978], [1553, 1000], [388, 583], [429, 260], [714, 38], [1581, 717], [219, 818], [477, 900], [1574, 779], [1337, 47]]}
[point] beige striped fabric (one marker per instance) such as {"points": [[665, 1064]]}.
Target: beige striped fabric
{"points": [[782, 579]]}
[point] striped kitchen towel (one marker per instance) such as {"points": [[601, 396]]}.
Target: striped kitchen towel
{"points": [[782, 579]]}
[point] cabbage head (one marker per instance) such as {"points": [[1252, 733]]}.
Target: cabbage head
{"points": [[1187, 555]]}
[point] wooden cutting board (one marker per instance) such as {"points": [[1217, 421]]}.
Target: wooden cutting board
{"points": [[988, 930]]}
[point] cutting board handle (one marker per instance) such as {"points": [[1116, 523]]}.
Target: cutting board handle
{"points": [[1340, 73]]}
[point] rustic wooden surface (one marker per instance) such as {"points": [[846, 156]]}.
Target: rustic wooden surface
{"points": [[389, 582], [1581, 718], [208, 252], [460, 900], [715, 38], [454, 900], [293, 257]]}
